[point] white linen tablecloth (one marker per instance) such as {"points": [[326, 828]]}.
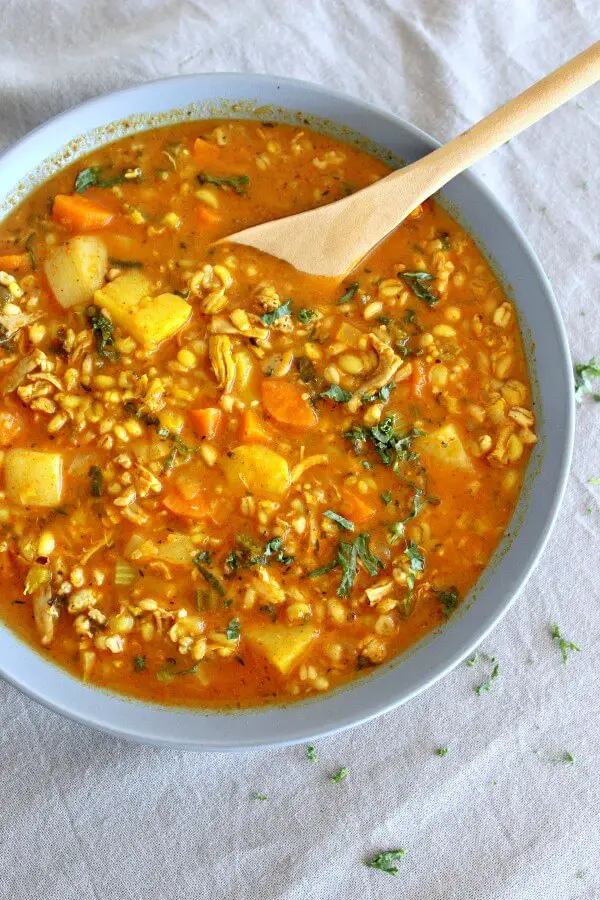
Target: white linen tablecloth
{"points": [[86, 817]]}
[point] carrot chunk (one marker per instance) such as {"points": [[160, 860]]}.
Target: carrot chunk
{"points": [[286, 403], [15, 262], [195, 508], [206, 422], [251, 428], [205, 151], [206, 216], [10, 426], [80, 214], [355, 507]]}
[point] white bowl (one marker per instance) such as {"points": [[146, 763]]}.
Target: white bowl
{"points": [[260, 97]]}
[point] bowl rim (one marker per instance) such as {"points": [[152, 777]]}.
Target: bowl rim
{"points": [[302, 732]]}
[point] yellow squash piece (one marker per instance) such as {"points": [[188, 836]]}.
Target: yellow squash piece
{"points": [[33, 478], [77, 269], [282, 645], [446, 446], [255, 469], [149, 320]]}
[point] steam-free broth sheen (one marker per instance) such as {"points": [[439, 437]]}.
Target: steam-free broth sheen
{"points": [[225, 483]]}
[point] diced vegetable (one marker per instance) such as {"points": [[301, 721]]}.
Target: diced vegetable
{"points": [[10, 426], [417, 379], [206, 422], [77, 269], [245, 368], [355, 507], [445, 446], [80, 214], [206, 216], [125, 573], [349, 335], [256, 469], [251, 428], [177, 549], [15, 262], [33, 477], [195, 508], [282, 645], [286, 402], [149, 320]]}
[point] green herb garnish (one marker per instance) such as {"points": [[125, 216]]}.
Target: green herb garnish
{"points": [[238, 183], [584, 372], [416, 282], [350, 293], [311, 754], [564, 645], [284, 310], [340, 775], [125, 263], [397, 529], [486, 686], [306, 315], [210, 579], [91, 177], [565, 757], [448, 601], [306, 370], [139, 663], [346, 557], [385, 861], [233, 630], [336, 393], [339, 520], [442, 751], [28, 245], [96, 481], [257, 796], [386, 498], [102, 329]]}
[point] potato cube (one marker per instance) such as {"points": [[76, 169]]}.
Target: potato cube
{"points": [[33, 477], [446, 446], [256, 469], [282, 645], [77, 269], [149, 320]]}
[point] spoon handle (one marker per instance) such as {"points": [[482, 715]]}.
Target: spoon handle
{"points": [[437, 168]]}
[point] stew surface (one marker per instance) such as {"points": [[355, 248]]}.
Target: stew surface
{"points": [[224, 482]]}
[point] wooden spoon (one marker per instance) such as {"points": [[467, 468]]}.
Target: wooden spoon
{"points": [[332, 239]]}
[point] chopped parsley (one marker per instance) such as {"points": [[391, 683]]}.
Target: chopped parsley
{"points": [[416, 563], [339, 520], [284, 310], [386, 498], [448, 601], [386, 861], [250, 553], [306, 315], [584, 372], [91, 177], [233, 630], [382, 395], [336, 393], [340, 775], [306, 369], [397, 528], [139, 663], [96, 481], [125, 263], [311, 754], [471, 661], [565, 757], [28, 245], [347, 557], [350, 293], [486, 686], [564, 645], [442, 751], [257, 796], [102, 329], [148, 419], [387, 443], [238, 183], [416, 282], [208, 576]]}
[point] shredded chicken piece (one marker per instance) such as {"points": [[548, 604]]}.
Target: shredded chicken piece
{"points": [[21, 371], [377, 593], [13, 323], [222, 361], [319, 459], [267, 587], [44, 614], [221, 325], [388, 365]]}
